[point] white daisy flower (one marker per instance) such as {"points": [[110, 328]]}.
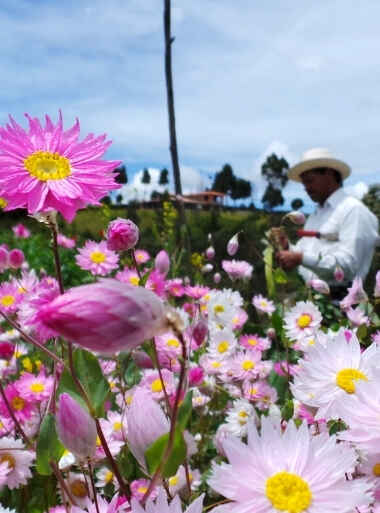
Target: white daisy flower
{"points": [[19, 460], [222, 345], [105, 476], [239, 415], [326, 376], [302, 320]]}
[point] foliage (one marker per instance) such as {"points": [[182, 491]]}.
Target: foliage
{"points": [[274, 170]]}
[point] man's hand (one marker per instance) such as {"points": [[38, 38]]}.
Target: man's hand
{"points": [[288, 260], [279, 237]]}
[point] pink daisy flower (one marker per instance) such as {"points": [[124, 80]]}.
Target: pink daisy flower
{"points": [[156, 283], [161, 505], [262, 304], [35, 388], [151, 381], [142, 256], [253, 341], [9, 297], [139, 487], [18, 458], [65, 242], [283, 470], [237, 269], [22, 408], [246, 365], [21, 231], [175, 287], [129, 276], [47, 168], [196, 291], [97, 258]]}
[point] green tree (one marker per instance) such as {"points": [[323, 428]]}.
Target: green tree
{"points": [[241, 189], [145, 177], [372, 199], [164, 178], [274, 170], [296, 204], [121, 174]]}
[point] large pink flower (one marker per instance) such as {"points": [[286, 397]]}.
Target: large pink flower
{"points": [[48, 168]]}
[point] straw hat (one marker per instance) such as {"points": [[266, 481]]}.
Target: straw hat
{"points": [[318, 157]]}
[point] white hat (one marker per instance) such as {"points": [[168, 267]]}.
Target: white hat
{"points": [[318, 157]]}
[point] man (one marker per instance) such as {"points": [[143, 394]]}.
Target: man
{"points": [[338, 216]]}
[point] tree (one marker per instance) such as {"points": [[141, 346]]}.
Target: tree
{"points": [[145, 177], [272, 197], [372, 199], [119, 199], [296, 204], [241, 189], [274, 170], [121, 176], [164, 179], [224, 180]]}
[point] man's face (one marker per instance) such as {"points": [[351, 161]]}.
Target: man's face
{"points": [[317, 185]]}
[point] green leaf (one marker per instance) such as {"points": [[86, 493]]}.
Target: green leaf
{"points": [[68, 385], [277, 324], [287, 410], [268, 260], [185, 410], [280, 276], [91, 376], [156, 451], [362, 332], [335, 426], [49, 447]]}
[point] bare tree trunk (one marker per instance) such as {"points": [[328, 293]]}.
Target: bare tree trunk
{"points": [[170, 99]]}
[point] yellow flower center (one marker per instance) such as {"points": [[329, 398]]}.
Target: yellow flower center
{"points": [[37, 387], [27, 364], [304, 320], [134, 280], [8, 458], [253, 391], [78, 489], [346, 379], [223, 346], [98, 442], [7, 300], [215, 365], [47, 166], [248, 365], [218, 309], [173, 480], [376, 470], [156, 385], [252, 341], [17, 403], [108, 477], [142, 489], [117, 426], [97, 257], [288, 492], [172, 342], [263, 304], [3, 202]]}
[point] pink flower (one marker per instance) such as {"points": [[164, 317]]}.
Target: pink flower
{"points": [[13, 450], [199, 331], [357, 317], [196, 375], [21, 231], [6, 350], [263, 304], [153, 384], [217, 277], [339, 274], [197, 291], [65, 242], [141, 434], [9, 297], [16, 258], [356, 294], [139, 487], [162, 506], [237, 269], [253, 341], [296, 217], [22, 408], [142, 256], [162, 262], [106, 316], [376, 292], [47, 168], [76, 428], [156, 283], [122, 234], [175, 287], [319, 286], [210, 253], [35, 388], [97, 258], [129, 276]]}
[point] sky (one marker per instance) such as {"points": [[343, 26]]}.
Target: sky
{"points": [[250, 78]]}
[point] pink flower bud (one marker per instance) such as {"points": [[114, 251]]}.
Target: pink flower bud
{"points": [[271, 333], [339, 274], [210, 253], [200, 331], [4, 259], [21, 231], [16, 258], [106, 316], [196, 375], [233, 245], [296, 217], [6, 350], [319, 286], [76, 428], [141, 434], [207, 268], [162, 262], [217, 278], [122, 234], [376, 292]]}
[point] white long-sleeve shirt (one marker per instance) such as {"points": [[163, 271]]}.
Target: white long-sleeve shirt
{"points": [[357, 229]]}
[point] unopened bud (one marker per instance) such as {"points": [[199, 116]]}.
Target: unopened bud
{"points": [[319, 286], [339, 274], [16, 258], [233, 245], [296, 217], [210, 253], [217, 278], [162, 262], [207, 268], [200, 331]]}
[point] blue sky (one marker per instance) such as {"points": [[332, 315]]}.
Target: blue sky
{"points": [[250, 78]]}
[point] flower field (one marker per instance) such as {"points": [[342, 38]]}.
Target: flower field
{"points": [[164, 382]]}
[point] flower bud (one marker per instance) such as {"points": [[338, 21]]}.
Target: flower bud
{"points": [[196, 375], [217, 278], [296, 217], [207, 268], [233, 245], [107, 316], [122, 234], [16, 258], [6, 350], [76, 428], [376, 292], [319, 286], [210, 253], [200, 331], [338, 274], [271, 333], [162, 262]]}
